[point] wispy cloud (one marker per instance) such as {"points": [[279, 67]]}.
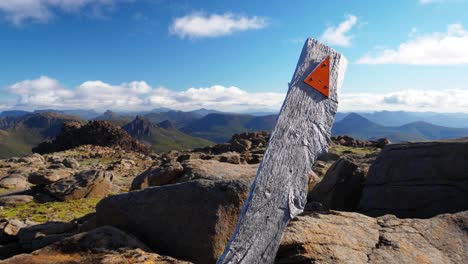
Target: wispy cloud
{"points": [[200, 25], [446, 48], [339, 35], [46, 92], [18, 11]]}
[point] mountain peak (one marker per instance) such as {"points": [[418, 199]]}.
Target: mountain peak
{"points": [[357, 119], [140, 126], [166, 124]]}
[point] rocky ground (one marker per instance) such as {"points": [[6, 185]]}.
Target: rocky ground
{"points": [[75, 206]]}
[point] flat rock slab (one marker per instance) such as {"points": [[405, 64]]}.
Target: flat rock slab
{"points": [[301, 134], [11, 200], [418, 180], [342, 237]]}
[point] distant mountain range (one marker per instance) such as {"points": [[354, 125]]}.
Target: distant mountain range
{"points": [[399, 118], [18, 134], [357, 126], [163, 136], [221, 126], [166, 129]]}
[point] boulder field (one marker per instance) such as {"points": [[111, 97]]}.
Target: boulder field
{"points": [[406, 203]]}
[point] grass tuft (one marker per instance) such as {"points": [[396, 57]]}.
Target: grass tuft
{"points": [[51, 211]]}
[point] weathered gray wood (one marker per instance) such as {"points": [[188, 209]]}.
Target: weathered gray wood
{"points": [[279, 190]]}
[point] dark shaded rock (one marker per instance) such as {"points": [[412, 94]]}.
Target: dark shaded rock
{"points": [[100, 133], [86, 184], [418, 180], [341, 187], [87, 222], [348, 141], [382, 142], [41, 235], [10, 250], [341, 237], [191, 221], [104, 245], [328, 156], [71, 163]]}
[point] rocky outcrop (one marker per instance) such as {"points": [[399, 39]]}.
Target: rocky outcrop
{"points": [[100, 133], [348, 141], [418, 180], [341, 187], [194, 169], [340, 237], [191, 221], [251, 146], [102, 245], [86, 184]]}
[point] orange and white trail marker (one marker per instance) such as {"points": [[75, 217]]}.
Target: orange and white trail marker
{"points": [[319, 78]]}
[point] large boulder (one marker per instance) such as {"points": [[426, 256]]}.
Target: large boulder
{"points": [[86, 184], [418, 180], [191, 221], [341, 187], [103, 245], [342, 237], [193, 169]]}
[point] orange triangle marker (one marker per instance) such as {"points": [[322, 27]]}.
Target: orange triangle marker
{"points": [[319, 78]]}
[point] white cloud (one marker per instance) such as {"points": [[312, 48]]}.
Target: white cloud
{"points": [[408, 100], [339, 35], [199, 25], [17, 11], [45, 92], [447, 48]]}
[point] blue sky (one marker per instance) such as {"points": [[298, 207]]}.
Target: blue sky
{"points": [[228, 55]]}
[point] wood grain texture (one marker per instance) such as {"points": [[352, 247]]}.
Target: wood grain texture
{"points": [[279, 190]]}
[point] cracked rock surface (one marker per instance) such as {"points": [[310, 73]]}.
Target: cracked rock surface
{"points": [[343, 237]]}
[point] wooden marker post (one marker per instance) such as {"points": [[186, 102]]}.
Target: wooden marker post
{"points": [[302, 132]]}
